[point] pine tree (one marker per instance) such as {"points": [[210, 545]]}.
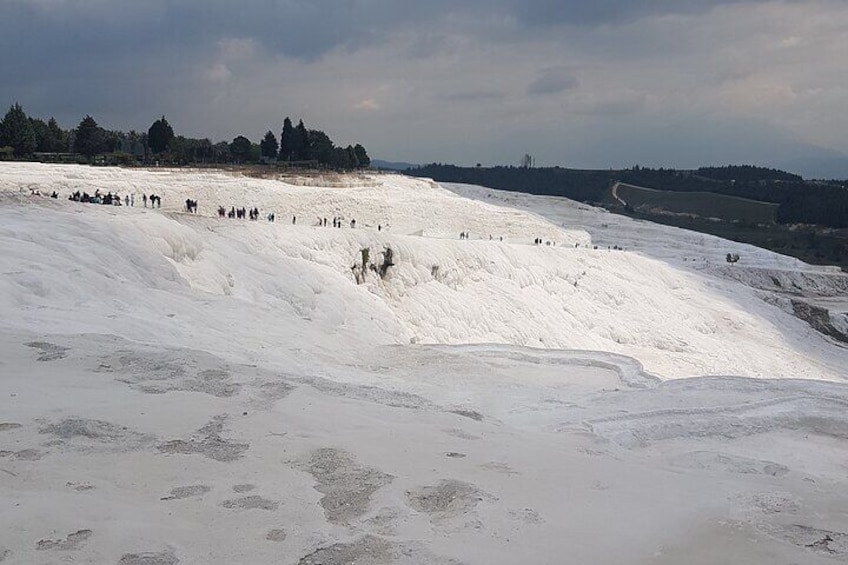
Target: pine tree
{"points": [[39, 128], [341, 158], [240, 149], [269, 146], [286, 140], [320, 147], [160, 135], [300, 145], [57, 138], [135, 143], [362, 156], [16, 131], [221, 152], [353, 161], [89, 139]]}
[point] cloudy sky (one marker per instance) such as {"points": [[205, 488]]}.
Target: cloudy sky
{"points": [[601, 83]]}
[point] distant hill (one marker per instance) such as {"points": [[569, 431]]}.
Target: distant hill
{"points": [[828, 167], [800, 201], [699, 204], [744, 173], [765, 207], [392, 165]]}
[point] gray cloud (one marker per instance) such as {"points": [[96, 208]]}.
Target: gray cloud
{"points": [[465, 82], [553, 81], [602, 12], [295, 28], [474, 96]]}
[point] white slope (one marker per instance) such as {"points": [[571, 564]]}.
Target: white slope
{"points": [[178, 388], [785, 281], [680, 247], [441, 290]]}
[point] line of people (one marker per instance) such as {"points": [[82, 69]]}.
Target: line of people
{"points": [[241, 213], [540, 241], [37, 192], [155, 201], [337, 223], [467, 235], [252, 214], [112, 199], [108, 199]]}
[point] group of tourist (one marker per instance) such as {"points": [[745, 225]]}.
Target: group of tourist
{"points": [[252, 214], [467, 235], [241, 213], [109, 199], [337, 223], [155, 201], [540, 241], [115, 199]]}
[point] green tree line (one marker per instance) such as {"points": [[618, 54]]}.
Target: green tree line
{"points": [[24, 137], [585, 186], [800, 202]]}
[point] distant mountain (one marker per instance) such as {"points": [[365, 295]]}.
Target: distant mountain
{"points": [[819, 167], [392, 165]]}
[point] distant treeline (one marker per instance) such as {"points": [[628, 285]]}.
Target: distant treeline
{"points": [[585, 186], [825, 204], [746, 173], [801, 202], [772, 186], [24, 137], [807, 202]]}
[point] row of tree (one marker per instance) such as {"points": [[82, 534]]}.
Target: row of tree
{"points": [[26, 136], [299, 144], [823, 204], [582, 185], [22, 137], [755, 183], [800, 202]]}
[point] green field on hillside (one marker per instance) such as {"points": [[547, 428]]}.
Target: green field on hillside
{"points": [[701, 204]]}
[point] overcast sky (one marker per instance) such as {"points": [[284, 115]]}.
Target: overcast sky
{"points": [[595, 83]]}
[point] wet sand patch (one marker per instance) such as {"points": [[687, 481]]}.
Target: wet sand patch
{"points": [[251, 503], [48, 351], [71, 542], [190, 491], [346, 485], [446, 499], [276, 535], [208, 442], [167, 557]]}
